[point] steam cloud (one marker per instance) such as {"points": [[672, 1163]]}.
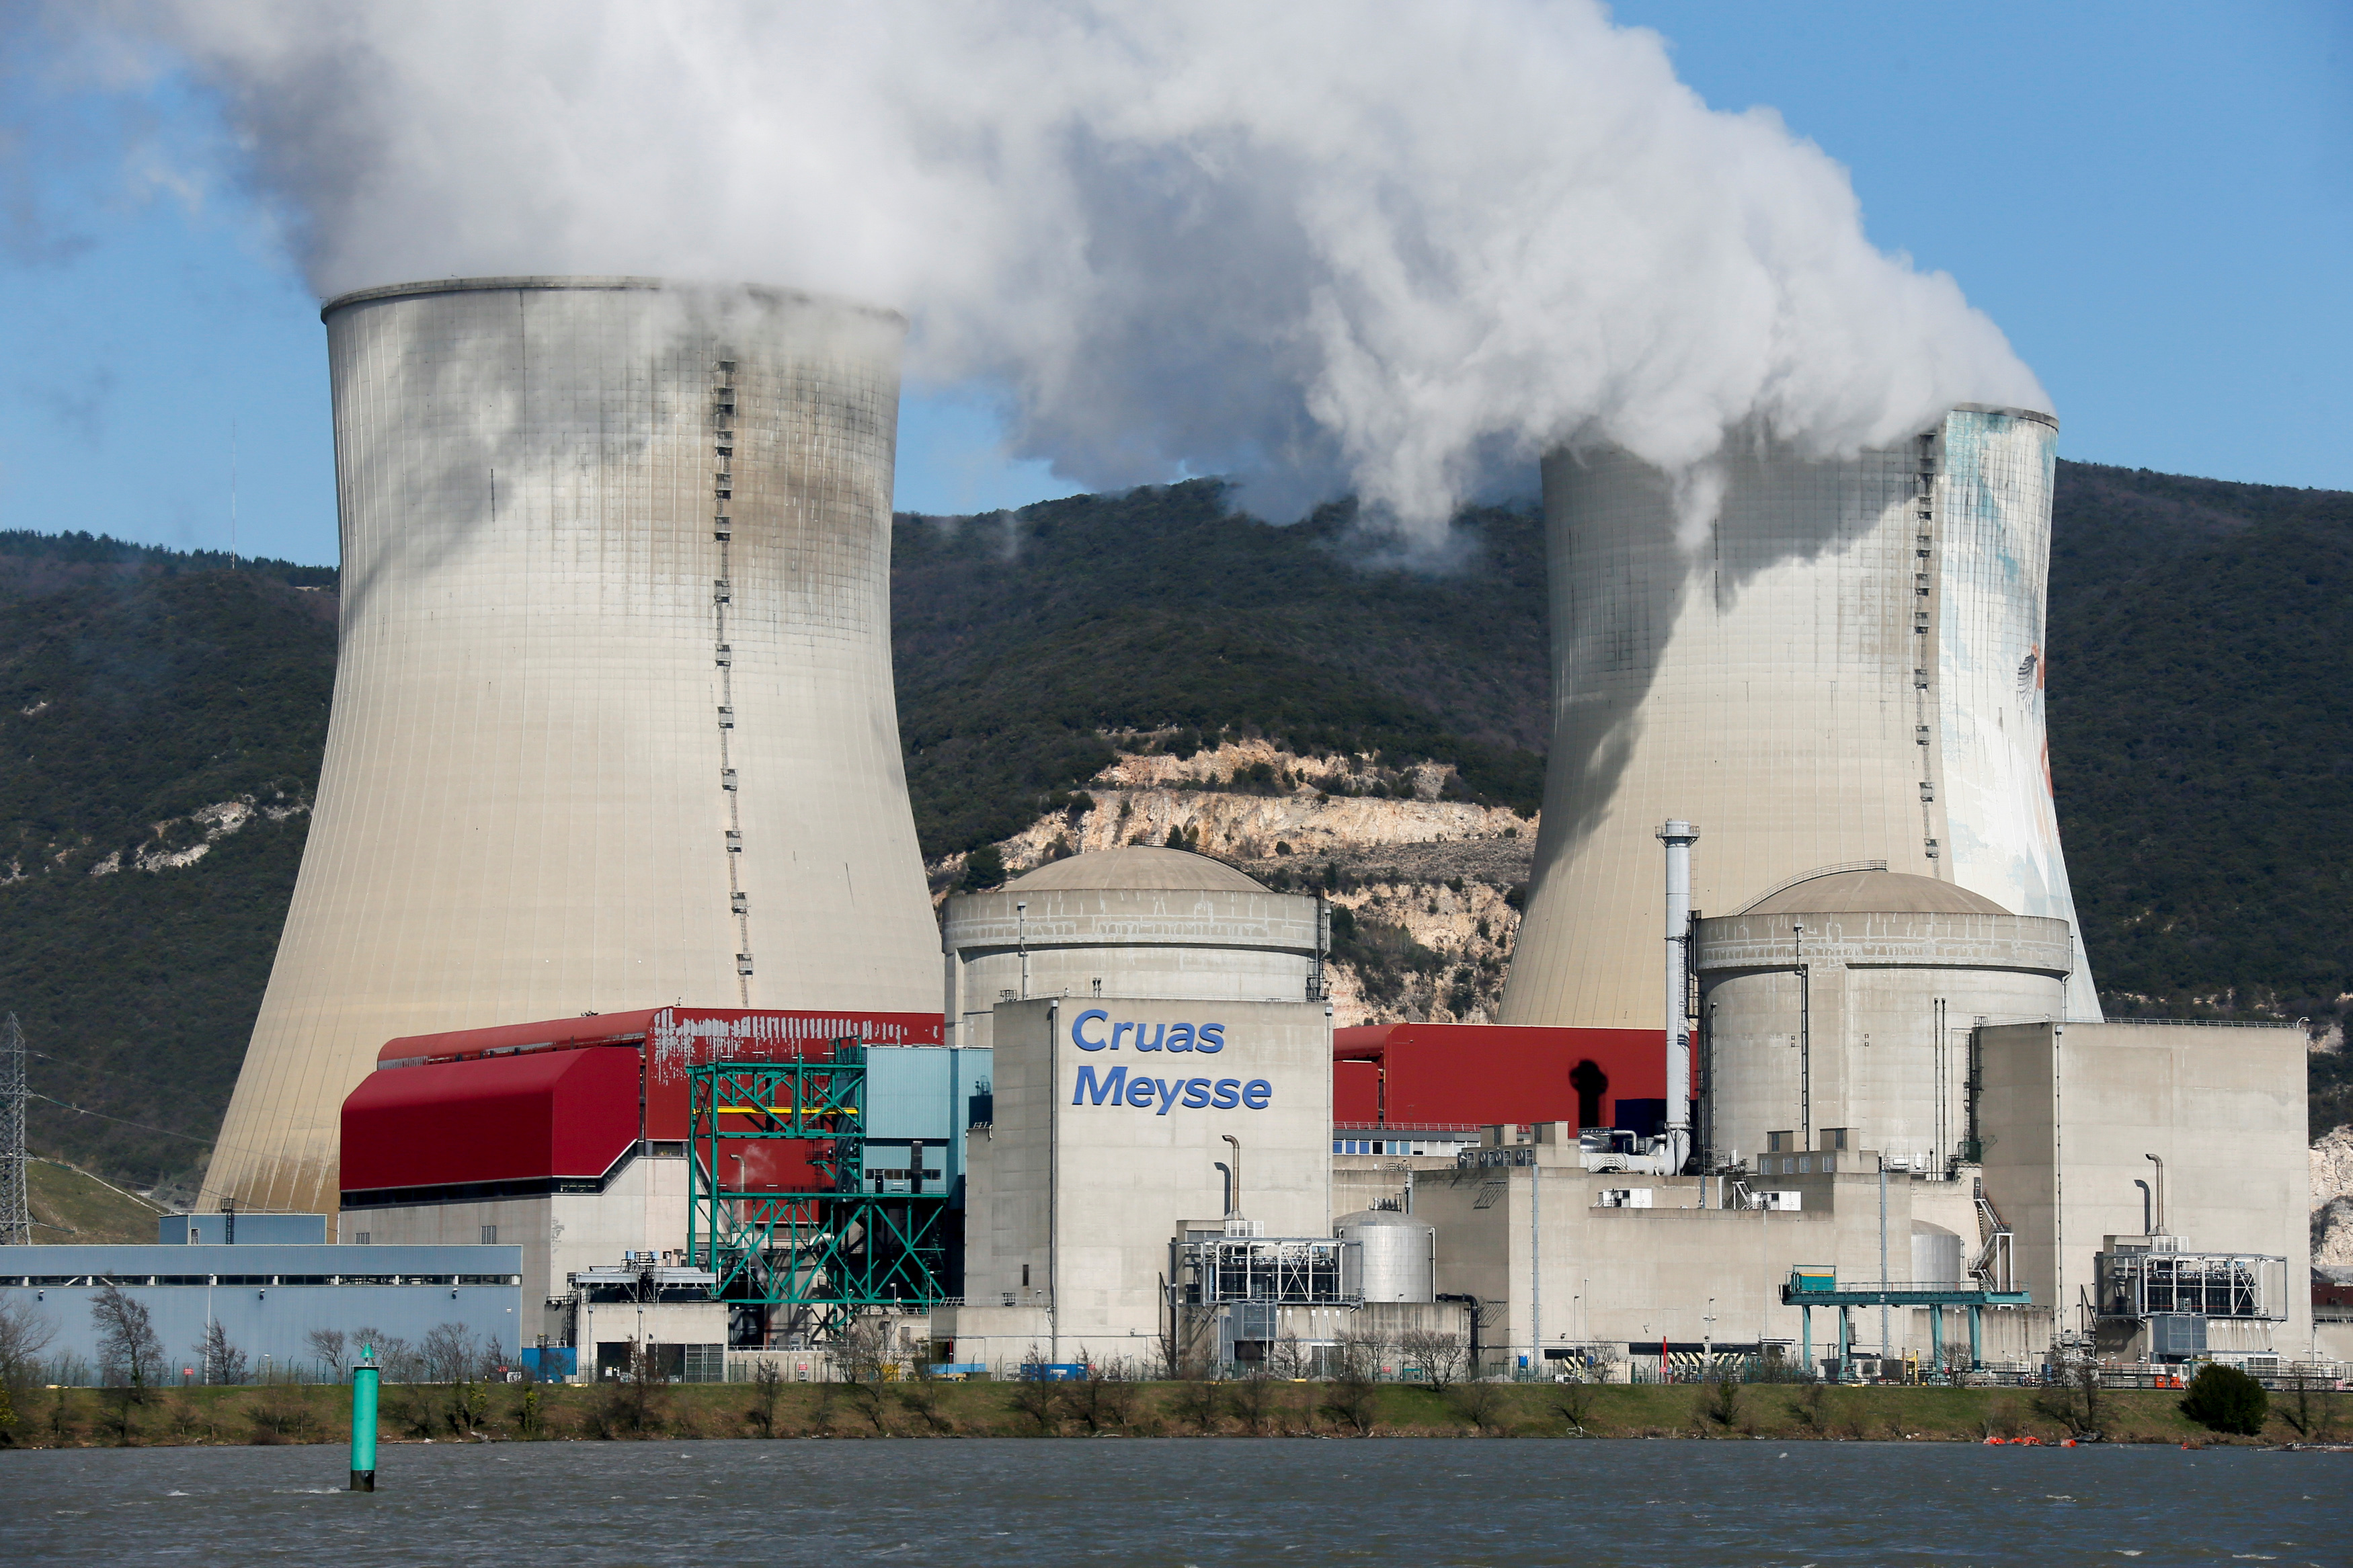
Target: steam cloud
{"points": [[1319, 245]]}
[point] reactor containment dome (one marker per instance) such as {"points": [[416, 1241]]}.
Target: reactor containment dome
{"points": [[1840, 663], [613, 720]]}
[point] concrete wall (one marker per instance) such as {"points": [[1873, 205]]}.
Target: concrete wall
{"points": [[524, 803], [1559, 1268], [1088, 1195], [1841, 1027], [254, 1295], [642, 1209], [1754, 673], [1205, 943], [2069, 1114]]}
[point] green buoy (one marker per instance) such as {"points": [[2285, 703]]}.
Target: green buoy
{"points": [[364, 1382]]}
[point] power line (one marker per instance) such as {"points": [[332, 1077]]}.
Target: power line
{"points": [[102, 1116]]}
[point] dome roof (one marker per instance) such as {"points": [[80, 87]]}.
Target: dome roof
{"points": [[1134, 865], [1874, 893]]}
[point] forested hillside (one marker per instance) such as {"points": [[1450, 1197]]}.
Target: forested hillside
{"points": [[161, 718], [161, 721]]}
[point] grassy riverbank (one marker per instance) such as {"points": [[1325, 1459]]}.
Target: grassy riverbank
{"points": [[506, 1412]]}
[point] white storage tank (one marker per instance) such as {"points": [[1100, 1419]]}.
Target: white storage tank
{"points": [[1936, 1261], [1400, 1253]]}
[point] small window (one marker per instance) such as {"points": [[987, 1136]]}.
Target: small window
{"points": [[1778, 1142], [1805, 1164], [1835, 1137], [489, 1236], [1025, 1276], [359, 1238]]}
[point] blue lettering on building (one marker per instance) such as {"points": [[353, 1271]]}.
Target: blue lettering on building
{"points": [[1207, 1038], [1162, 1095]]}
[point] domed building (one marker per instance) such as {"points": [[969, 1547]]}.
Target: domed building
{"points": [[1835, 1012], [1128, 923]]}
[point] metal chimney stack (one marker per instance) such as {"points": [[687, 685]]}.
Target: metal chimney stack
{"points": [[1678, 837]]}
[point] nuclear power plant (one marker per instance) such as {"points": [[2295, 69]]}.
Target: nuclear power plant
{"points": [[613, 721], [610, 985]]}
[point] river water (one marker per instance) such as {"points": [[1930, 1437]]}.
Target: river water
{"points": [[1427, 1503]]}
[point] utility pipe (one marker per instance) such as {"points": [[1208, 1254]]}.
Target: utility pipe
{"points": [[1234, 1204], [2160, 1194]]}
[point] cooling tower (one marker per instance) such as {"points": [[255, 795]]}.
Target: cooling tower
{"points": [[613, 723], [1844, 668]]}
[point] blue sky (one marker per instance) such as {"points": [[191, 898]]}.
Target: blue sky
{"points": [[2154, 201]]}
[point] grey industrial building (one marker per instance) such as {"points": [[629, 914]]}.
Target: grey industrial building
{"points": [[269, 1281]]}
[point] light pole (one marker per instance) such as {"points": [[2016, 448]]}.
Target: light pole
{"points": [[1707, 1337], [1022, 942]]}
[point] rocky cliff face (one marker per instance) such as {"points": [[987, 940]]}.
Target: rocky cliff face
{"points": [[2332, 1204], [1424, 889]]}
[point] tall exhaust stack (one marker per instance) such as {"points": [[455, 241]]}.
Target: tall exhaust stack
{"points": [[1678, 837], [1844, 668], [613, 721]]}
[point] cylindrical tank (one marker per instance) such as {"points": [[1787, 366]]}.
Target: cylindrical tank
{"points": [[1129, 922], [1936, 1261], [1401, 1254], [613, 721], [1835, 1013], [1818, 662]]}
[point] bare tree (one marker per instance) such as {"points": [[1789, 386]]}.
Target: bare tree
{"points": [[222, 1362], [451, 1353], [1573, 1403], [1482, 1404], [2308, 1408], [1720, 1399], [767, 1384], [1288, 1358], [1253, 1401], [327, 1348], [1103, 1397], [394, 1356], [1199, 1400], [632, 1405], [862, 1351], [1354, 1397], [25, 1333], [129, 1354], [1438, 1355], [1034, 1396], [2075, 1398]]}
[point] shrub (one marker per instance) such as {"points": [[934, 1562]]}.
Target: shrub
{"points": [[2225, 1399]]}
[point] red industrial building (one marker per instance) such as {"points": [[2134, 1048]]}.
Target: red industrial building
{"points": [[522, 1106], [1477, 1075]]}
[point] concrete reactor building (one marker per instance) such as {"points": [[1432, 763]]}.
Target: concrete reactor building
{"points": [[1843, 670], [613, 720]]}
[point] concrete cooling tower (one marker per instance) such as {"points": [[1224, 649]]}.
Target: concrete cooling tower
{"points": [[613, 723], [1845, 671]]}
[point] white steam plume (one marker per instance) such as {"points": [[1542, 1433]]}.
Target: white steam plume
{"points": [[1316, 245]]}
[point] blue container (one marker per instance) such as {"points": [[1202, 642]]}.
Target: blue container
{"points": [[555, 1363]]}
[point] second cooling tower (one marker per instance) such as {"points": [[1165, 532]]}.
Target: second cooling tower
{"points": [[613, 721], [1838, 664]]}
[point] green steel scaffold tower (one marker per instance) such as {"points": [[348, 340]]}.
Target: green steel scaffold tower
{"points": [[814, 1256]]}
